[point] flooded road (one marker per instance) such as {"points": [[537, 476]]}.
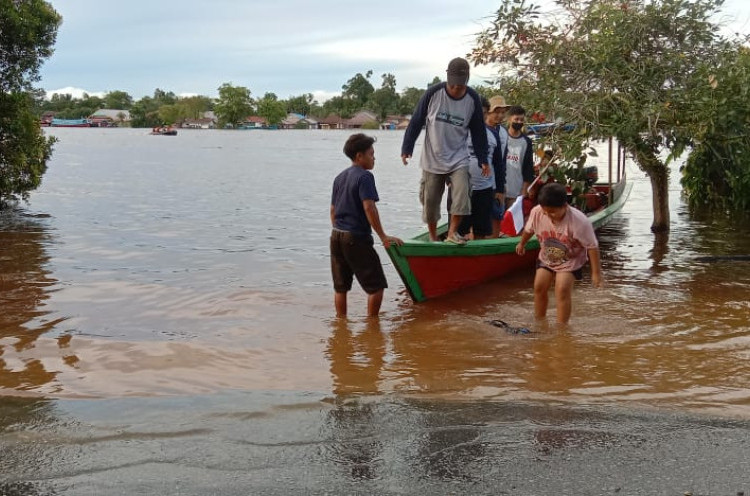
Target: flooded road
{"points": [[165, 305]]}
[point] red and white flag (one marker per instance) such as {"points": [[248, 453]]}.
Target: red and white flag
{"points": [[512, 223]]}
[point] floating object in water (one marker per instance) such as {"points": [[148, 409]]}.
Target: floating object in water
{"points": [[509, 328]]}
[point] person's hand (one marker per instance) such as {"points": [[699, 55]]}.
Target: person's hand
{"points": [[486, 170], [521, 248], [596, 280], [389, 240], [405, 159], [500, 197]]}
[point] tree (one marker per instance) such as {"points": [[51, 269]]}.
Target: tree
{"points": [[340, 106], [385, 100], [358, 90], [193, 107], [118, 100], [299, 104], [171, 114], [162, 97], [409, 99], [617, 68], [28, 30], [233, 106], [272, 109], [145, 113], [716, 175]]}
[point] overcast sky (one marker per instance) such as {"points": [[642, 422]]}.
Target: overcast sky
{"points": [[288, 47]]}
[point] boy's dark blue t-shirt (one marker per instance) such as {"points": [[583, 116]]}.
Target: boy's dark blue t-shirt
{"points": [[350, 188]]}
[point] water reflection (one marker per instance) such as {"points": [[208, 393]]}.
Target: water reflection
{"points": [[659, 251], [25, 286], [356, 356]]}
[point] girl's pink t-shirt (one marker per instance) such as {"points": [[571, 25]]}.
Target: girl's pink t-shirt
{"points": [[563, 245]]}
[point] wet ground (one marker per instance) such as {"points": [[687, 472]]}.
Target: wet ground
{"points": [[270, 443]]}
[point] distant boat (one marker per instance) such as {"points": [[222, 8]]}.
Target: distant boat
{"points": [[70, 123], [164, 131]]}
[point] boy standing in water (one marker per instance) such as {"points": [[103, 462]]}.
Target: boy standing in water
{"points": [[354, 216], [566, 238]]}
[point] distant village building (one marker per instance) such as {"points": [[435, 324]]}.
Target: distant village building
{"points": [[333, 121], [203, 123], [109, 118], [391, 122], [299, 121], [255, 122], [360, 119], [403, 123]]}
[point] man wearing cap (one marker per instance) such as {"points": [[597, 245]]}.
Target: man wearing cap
{"points": [[498, 109], [484, 188], [449, 112]]}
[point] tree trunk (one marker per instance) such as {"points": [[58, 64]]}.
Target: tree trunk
{"points": [[658, 172], [660, 196]]}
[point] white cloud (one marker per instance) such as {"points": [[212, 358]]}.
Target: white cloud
{"points": [[74, 92], [322, 96]]}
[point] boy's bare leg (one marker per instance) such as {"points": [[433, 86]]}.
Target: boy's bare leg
{"points": [[542, 282], [432, 229], [373, 303], [564, 296], [340, 303]]}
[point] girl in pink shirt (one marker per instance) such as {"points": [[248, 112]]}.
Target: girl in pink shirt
{"points": [[567, 240]]}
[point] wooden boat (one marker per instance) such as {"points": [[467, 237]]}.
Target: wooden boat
{"points": [[164, 131], [432, 269], [70, 123]]}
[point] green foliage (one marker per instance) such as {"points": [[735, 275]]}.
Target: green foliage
{"points": [[385, 100], [358, 90], [24, 150], [716, 175], [340, 106], [28, 30], [272, 109], [118, 100], [370, 125], [623, 69], [409, 99], [299, 104], [194, 107], [233, 106], [145, 113]]}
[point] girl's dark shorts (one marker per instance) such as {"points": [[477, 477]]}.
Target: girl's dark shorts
{"points": [[578, 273], [355, 256]]}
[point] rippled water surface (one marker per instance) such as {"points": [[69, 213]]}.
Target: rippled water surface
{"points": [[152, 265]]}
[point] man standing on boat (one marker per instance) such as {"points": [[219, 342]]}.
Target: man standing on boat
{"points": [[519, 162], [449, 112]]}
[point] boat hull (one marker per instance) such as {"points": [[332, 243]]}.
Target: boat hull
{"points": [[433, 269]]}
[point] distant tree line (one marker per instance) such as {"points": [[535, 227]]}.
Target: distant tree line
{"points": [[235, 103]]}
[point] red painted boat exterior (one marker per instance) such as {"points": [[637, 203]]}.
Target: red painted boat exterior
{"points": [[433, 269], [459, 272]]}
